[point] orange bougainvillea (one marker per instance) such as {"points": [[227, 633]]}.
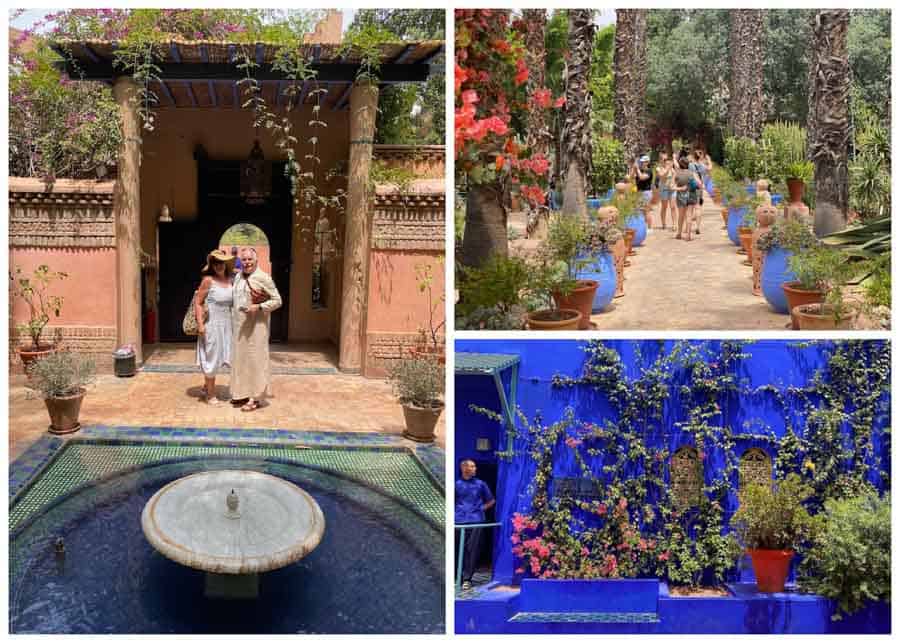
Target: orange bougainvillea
{"points": [[490, 83]]}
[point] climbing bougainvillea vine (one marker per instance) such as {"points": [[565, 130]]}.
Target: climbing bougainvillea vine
{"points": [[491, 101]]}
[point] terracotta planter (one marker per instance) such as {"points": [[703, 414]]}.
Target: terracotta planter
{"points": [[771, 567], [420, 421], [820, 317], [619, 251], [724, 213], [745, 236], [27, 355], [629, 239], [581, 299], [64, 412], [796, 296], [562, 319], [795, 190]]}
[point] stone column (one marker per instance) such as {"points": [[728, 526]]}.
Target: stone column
{"points": [[127, 209], [363, 105]]}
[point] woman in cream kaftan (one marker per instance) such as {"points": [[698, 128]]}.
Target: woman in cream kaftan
{"points": [[250, 370]]}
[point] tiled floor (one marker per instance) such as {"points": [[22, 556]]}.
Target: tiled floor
{"points": [[314, 402]]}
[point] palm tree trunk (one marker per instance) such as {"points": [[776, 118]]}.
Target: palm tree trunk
{"points": [[485, 232], [577, 125], [538, 133], [830, 139], [746, 110], [630, 78]]}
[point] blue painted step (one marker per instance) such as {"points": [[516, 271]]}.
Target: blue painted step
{"points": [[585, 617]]}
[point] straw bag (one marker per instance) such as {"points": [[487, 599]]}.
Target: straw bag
{"points": [[189, 325]]}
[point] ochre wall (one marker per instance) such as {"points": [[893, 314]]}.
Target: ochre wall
{"points": [[169, 175]]}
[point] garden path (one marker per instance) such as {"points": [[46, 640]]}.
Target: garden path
{"points": [[701, 284]]}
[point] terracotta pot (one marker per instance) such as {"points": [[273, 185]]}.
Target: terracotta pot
{"points": [[820, 317], [629, 238], [771, 567], [561, 319], [619, 251], [581, 299], [724, 214], [27, 355], [64, 412], [746, 236], [420, 421], [795, 190], [796, 296]]}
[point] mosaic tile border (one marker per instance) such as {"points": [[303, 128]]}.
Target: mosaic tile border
{"points": [[27, 467], [276, 370], [585, 617]]}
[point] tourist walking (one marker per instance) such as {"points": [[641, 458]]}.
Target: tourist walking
{"points": [[472, 499], [665, 177], [686, 198], [255, 297], [699, 169], [214, 332]]}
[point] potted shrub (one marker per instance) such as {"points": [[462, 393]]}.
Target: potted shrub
{"points": [[490, 296], [811, 269], [630, 218], [60, 378], [745, 231], [772, 524], [566, 244], [786, 237], [798, 174], [850, 562], [33, 291], [549, 283], [419, 385]]}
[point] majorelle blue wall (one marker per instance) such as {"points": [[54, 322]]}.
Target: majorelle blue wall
{"points": [[783, 364]]}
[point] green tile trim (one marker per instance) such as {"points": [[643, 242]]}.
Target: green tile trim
{"points": [[394, 471], [483, 363]]}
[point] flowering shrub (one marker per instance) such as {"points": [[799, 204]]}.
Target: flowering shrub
{"points": [[491, 96]]}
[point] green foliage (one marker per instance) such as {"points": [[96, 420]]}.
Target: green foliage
{"points": [[867, 240], [790, 234], [878, 286], [489, 295], [743, 158], [870, 168], [786, 63], [364, 40], [600, 83], [565, 237], [35, 292], [820, 268], [774, 517], [244, 234], [850, 561], [781, 145], [608, 163], [600, 236], [60, 374], [799, 170], [869, 47], [418, 381]]}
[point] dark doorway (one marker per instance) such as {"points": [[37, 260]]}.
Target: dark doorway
{"points": [[183, 245], [487, 472]]}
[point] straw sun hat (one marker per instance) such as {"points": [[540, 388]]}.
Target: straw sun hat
{"points": [[218, 255]]}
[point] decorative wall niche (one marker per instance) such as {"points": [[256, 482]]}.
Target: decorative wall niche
{"points": [[686, 477]]}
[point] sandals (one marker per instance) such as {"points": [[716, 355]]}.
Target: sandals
{"points": [[252, 405], [212, 401]]}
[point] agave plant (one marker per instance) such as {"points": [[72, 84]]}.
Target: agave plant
{"points": [[868, 245]]}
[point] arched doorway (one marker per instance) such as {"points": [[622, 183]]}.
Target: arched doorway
{"points": [[184, 244], [246, 235]]}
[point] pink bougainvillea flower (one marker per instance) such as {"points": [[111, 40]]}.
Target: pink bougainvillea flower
{"points": [[560, 102]]}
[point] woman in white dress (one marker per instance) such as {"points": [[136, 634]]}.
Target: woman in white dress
{"points": [[214, 335]]}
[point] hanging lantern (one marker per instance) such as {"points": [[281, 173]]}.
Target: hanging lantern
{"points": [[256, 177]]}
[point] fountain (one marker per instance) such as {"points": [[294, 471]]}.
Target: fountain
{"points": [[233, 525]]}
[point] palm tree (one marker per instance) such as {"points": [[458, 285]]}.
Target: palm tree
{"points": [[538, 133], [630, 78], [828, 127], [746, 110], [577, 124]]}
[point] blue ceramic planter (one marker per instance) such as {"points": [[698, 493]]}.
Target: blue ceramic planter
{"points": [[601, 269], [776, 199], [594, 203], [775, 272], [751, 189], [735, 220], [637, 223]]}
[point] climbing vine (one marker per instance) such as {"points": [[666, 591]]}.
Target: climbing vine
{"points": [[683, 396]]}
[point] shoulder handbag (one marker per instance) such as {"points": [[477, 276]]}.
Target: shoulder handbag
{"points": [[189, 324]]}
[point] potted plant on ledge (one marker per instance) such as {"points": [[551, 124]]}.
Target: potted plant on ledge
{"points": [[832, 312], [33, 291], [549, 285], [60, 378], [772, 524], [419, 385], [565, 243]]}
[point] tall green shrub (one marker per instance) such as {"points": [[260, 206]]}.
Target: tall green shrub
{"points": [[609, 163]]}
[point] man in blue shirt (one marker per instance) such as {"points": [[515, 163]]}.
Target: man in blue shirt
{"points": [[473, 498]]}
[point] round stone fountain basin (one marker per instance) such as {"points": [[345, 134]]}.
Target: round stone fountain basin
{"points": [[276, 522]]}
